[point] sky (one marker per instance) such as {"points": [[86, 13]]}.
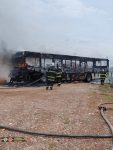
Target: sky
{"points": [[74, 27]]}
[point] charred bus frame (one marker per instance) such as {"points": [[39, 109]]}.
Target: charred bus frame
{"points": [[75, 67]]}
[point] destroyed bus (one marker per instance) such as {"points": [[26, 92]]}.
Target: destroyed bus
{"points": [[32, 66]]}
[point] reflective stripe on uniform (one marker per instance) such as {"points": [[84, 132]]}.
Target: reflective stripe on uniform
{"points": [[58, 76], [103, 74], [59, 72], [52, 71], [51, 77], [51, 80]]}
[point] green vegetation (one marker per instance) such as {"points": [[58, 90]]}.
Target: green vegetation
{"points": [[52, 146], [107, 92], [109, 98], [65, 119]]}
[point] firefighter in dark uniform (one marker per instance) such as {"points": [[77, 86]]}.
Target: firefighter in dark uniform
{"points": [[58, 76], [103, 76], [50, 77]]}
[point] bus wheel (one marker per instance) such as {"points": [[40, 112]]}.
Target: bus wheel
{"points": [[88, 77]]}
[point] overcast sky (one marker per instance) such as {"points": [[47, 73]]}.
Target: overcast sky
{"points": [[75, 27]]}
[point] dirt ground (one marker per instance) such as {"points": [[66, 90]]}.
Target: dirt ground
{"points": [[70, 109]]}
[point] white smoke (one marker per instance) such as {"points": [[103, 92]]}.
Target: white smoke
{"points": [[4, 72]]}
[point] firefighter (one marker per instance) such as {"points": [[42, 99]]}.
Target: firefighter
{"points": [[58, 76], [103, 76], [50, 77]]}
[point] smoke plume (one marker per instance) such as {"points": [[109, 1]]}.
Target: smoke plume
{"points": [[5, 61]]}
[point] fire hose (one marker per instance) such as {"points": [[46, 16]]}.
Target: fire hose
{"points": [[34, 82], [102, 109]]}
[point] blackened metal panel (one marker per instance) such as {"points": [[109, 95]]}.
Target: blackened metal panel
{"points": [[31, 54], [57, 56]]}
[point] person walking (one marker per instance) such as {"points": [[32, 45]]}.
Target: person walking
{"points": [[50, 77], [103, 76]]}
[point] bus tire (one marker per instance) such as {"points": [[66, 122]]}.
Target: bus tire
{"points": [[88, 77]]}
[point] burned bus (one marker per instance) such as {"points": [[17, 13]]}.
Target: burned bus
{"points": [[31, 66]]}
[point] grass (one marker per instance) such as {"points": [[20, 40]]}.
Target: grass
{"points": [[52, 146], [107, 92], [109, 98], [65, 119], [105, 88]]}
